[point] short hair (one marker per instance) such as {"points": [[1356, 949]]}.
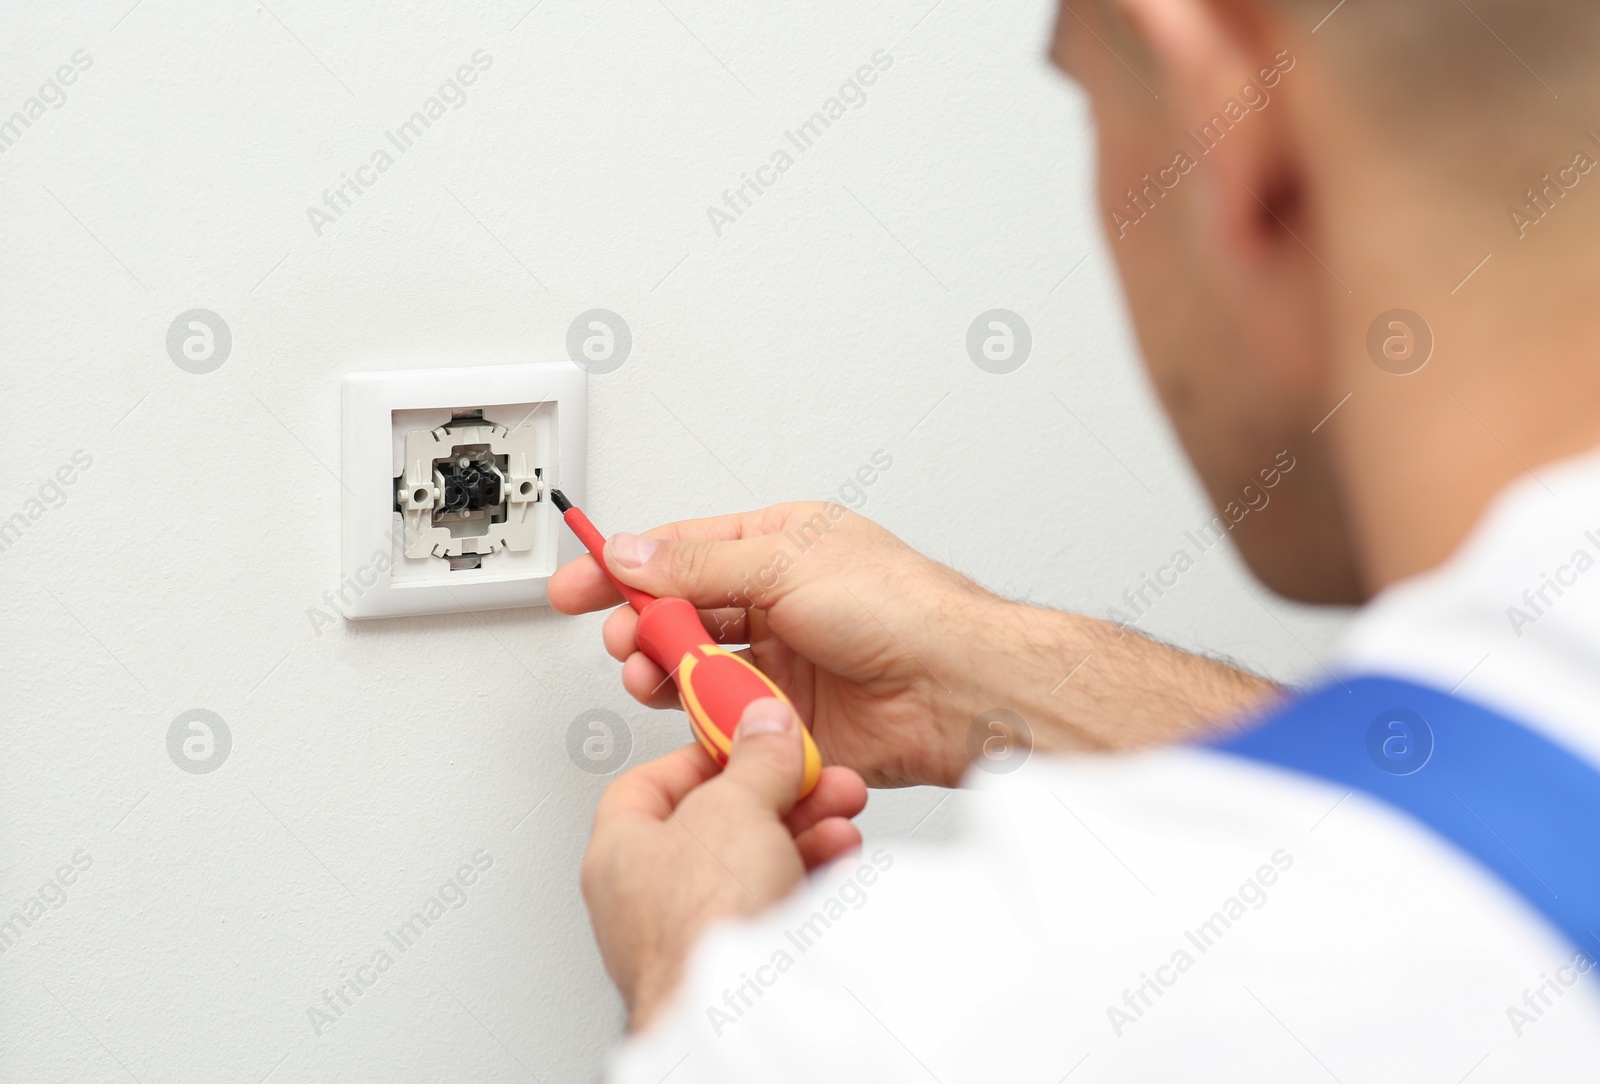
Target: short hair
{"points": [[1487, 93], [1498, 73]]}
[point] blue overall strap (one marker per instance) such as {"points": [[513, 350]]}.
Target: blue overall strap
{"points": [[1524, 807]]}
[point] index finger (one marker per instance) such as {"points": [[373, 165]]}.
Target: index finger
{"points": [[581, 586]]}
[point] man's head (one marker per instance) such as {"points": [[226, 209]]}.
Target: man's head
{"points": [[1274, 175]]}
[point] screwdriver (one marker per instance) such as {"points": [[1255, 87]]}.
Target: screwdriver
{"points": [[714, 684]]}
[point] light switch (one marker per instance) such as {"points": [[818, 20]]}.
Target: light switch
{"points": [[447, 474]]}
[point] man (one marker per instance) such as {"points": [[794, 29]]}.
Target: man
{"points": [[1359, 238]]}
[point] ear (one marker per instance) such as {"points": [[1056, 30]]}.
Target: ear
{"points": [[1223, 79]]}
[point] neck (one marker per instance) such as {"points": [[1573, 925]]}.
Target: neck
{"points": [[1513, 384]]}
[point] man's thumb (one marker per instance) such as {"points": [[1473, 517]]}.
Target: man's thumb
{"points": [[768, 756], [708, 573]]}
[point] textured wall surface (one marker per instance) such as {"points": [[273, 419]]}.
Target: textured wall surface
{"points": [[178, 531]]}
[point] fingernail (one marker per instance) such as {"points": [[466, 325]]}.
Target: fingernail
{"points": [[766, 716], [632, 550]]}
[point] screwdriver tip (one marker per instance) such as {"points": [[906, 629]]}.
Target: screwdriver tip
{"points": [[560, 499]]}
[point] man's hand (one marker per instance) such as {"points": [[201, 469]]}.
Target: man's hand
{"points": [[677, 846], [867, 637], [892, 656]]}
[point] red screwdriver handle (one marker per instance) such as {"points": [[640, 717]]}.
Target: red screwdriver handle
{"points": [[714, 684]]}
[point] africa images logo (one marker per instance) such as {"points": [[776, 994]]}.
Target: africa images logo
{"points": [[1400, 742]]}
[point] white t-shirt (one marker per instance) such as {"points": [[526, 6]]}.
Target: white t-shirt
{"points": [[1185, 915]]}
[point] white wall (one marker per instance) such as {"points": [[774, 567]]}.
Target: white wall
{"points": [[369, 761]]}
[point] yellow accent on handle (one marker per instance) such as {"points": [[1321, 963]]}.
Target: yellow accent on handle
{"points": [[712, 739]]}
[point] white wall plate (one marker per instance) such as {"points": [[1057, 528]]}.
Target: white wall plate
{"points": [[447, 476]]}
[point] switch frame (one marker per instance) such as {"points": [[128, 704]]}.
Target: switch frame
{"points": [[378, 579]]}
